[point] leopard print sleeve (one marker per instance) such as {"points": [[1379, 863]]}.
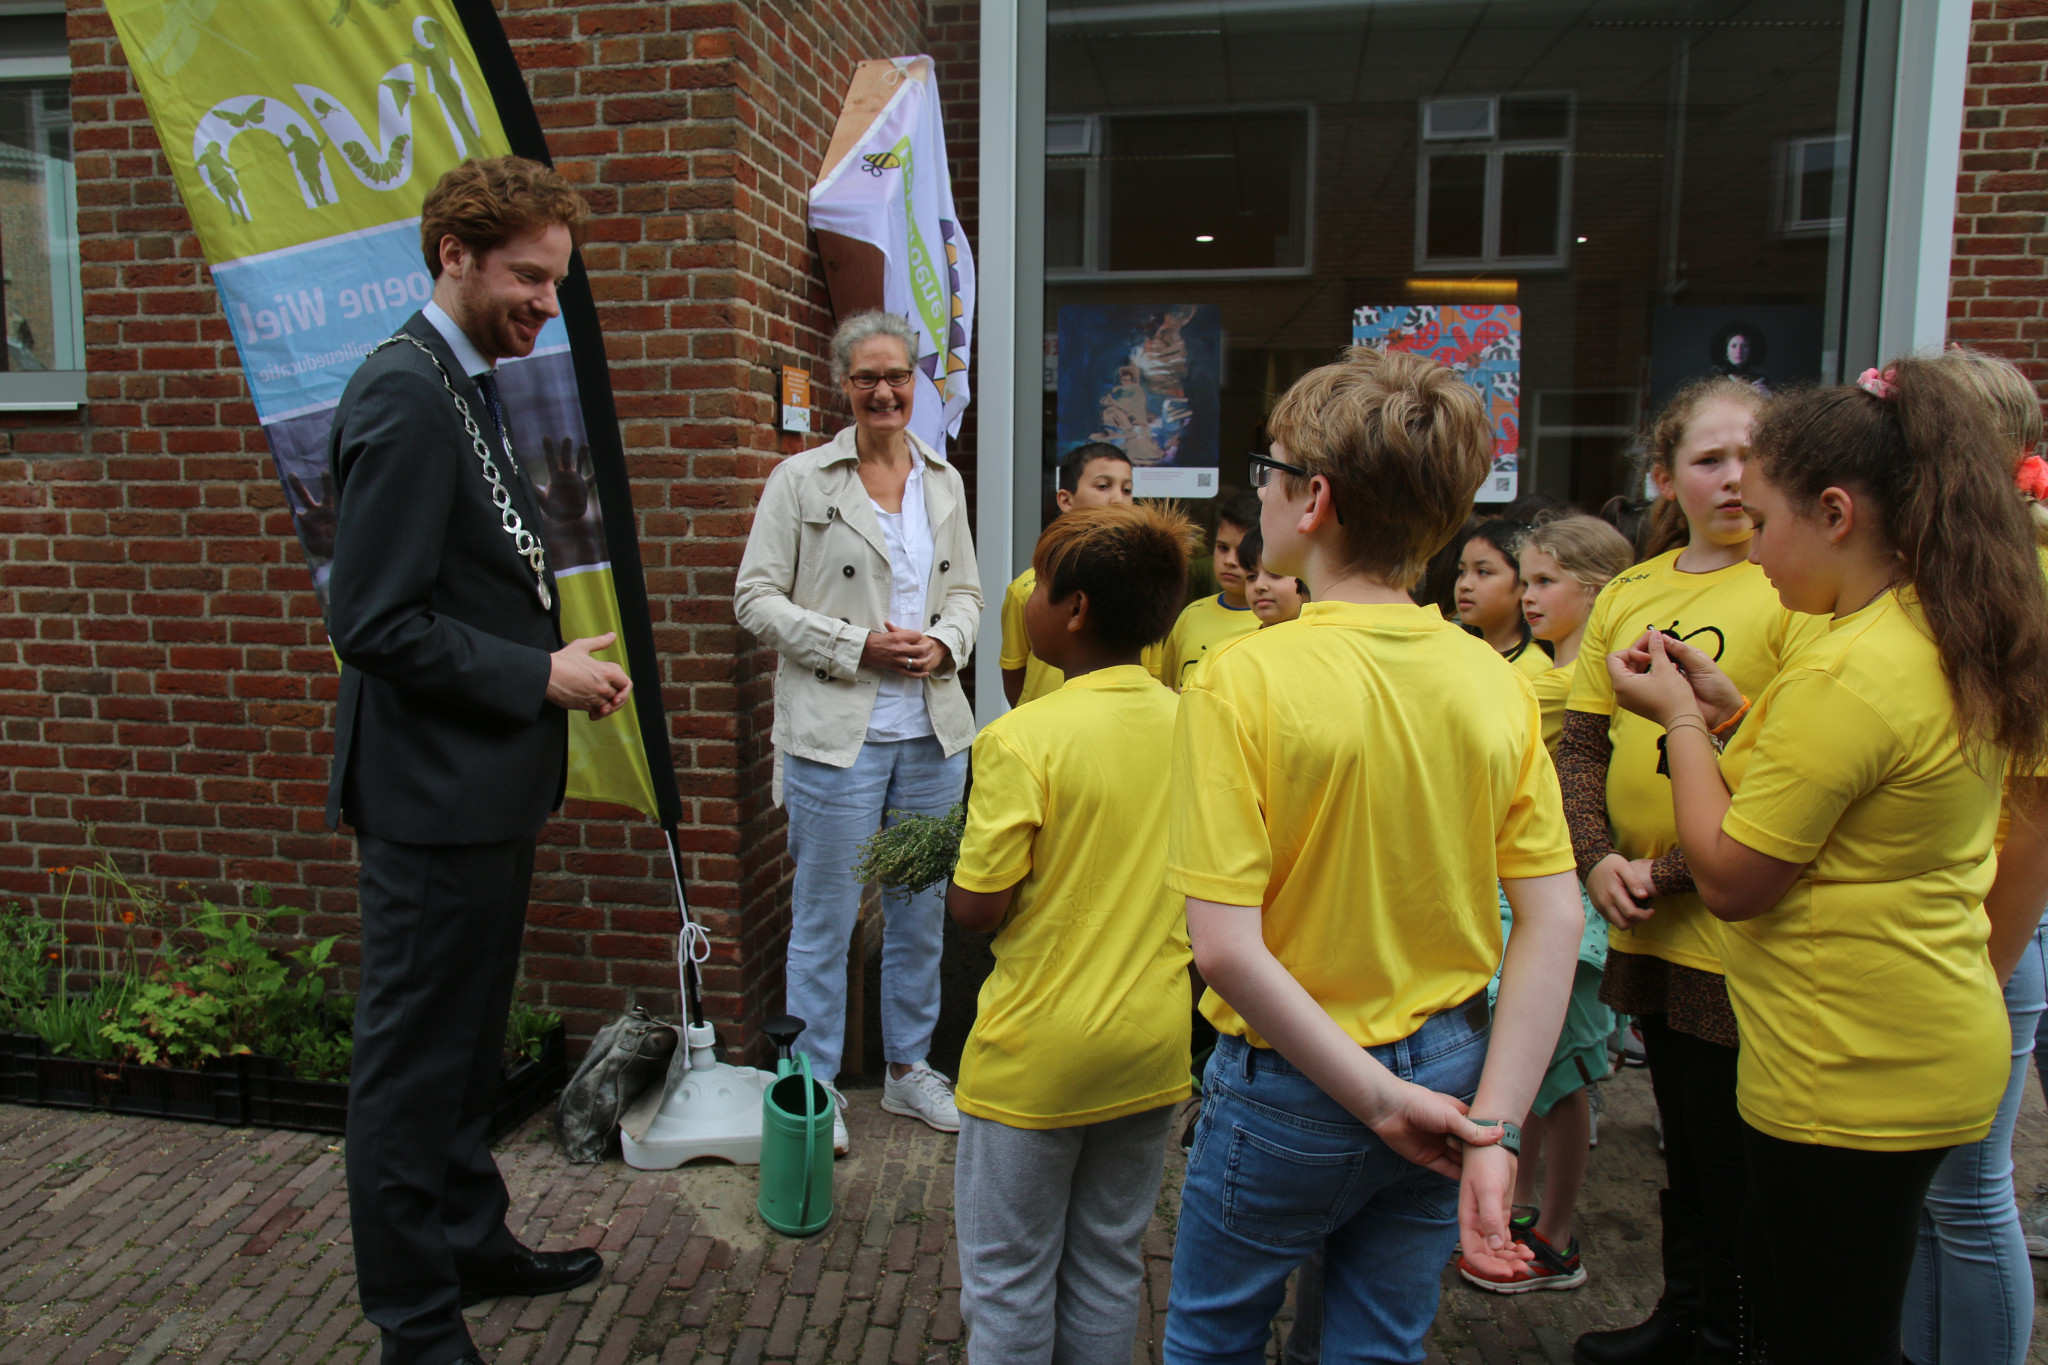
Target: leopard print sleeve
{"points": [[1582, 754]]}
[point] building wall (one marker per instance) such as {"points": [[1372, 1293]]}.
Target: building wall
{"points": [[165, 686], [1999, 300]]}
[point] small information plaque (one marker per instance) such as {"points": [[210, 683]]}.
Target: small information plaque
{"points": [[796, 399]]}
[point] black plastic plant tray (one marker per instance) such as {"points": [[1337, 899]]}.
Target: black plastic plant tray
{"points": [[254, 1091]]}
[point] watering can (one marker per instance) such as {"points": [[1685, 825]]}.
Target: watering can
{"points": [[796, 1140]]}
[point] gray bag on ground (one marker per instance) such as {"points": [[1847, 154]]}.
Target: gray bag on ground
{"points": [[627, 1056]]}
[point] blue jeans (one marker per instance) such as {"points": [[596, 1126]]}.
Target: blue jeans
{"points": [[831, 812], [1278, 1167], [1971, 1298]]}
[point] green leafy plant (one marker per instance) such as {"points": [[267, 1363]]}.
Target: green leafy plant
{"points": [[916, 852], [69, 1025], [526, 1032], [28, 959]]}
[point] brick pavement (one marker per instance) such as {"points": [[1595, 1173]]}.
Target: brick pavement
{"points": [[161, 1243]]}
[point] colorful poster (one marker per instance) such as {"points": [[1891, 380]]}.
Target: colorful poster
{"points": [[1483, 343], [886, 186], [304, 136], [1146, 378]]}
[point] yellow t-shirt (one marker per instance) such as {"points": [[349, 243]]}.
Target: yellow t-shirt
{"points": [[1364, 773], [1041, 678], [1552, 687], [1532, 659], [1085, 1017], [1870, 1015], [1733, 614], [1201, 628]]}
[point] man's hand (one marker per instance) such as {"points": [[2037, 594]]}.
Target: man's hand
{"points": [[1622, 890], [577, 682]]}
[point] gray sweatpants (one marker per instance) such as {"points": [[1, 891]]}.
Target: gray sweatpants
{"points": [[1050, 1224]]}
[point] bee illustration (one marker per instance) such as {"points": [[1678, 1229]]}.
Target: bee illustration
{"points": [[874, 163]]}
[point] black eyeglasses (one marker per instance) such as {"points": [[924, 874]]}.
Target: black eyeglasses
{"points": [[1262, 474], [895, 379]]}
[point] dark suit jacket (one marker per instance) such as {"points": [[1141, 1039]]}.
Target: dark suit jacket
{"points": [[443, 734]]}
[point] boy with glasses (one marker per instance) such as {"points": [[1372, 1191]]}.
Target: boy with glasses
{"points": [[1344, 794]]}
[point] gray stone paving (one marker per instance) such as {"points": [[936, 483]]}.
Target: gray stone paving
{"points": [[156, 1243]]}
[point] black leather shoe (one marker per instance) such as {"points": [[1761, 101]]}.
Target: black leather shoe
{"points": [[526, 1273], [1663, 1338]]}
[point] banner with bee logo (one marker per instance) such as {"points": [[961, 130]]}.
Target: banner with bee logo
{"points": [[304, 135]]}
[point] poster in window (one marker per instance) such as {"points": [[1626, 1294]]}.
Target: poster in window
{"points": [[1145, 378], [1483, 343], [1770, 348]]}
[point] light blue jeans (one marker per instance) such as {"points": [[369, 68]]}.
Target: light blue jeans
{"points": [[832, 811], [1970, 1300], [1277, 1168]]}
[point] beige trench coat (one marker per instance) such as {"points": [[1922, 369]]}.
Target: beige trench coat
{"points": [[815, 581]]}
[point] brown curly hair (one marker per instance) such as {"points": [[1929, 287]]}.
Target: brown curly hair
{"points": [[485, 204], [1131, 560]]}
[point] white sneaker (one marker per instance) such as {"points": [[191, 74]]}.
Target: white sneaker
{"points": [[922, 1093], [841, 1143]]}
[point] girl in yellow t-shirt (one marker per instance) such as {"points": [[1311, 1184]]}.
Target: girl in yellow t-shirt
{"points": [[1489, 594], [1564, 565], [1854, 858], [1665, 963]]}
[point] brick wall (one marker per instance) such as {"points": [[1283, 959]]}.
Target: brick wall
{"points": [[1999, 299], [164, 679]]}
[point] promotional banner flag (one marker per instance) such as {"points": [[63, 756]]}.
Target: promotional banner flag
{"points": [[883, 212], [304, 136]]}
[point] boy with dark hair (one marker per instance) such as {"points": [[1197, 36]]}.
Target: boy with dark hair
{"points": [[1210, 622], [1275, 597], [1345, 793], [1079, 1052], [1097, 474]]}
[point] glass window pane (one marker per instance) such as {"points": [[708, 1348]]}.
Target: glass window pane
{"points": [[1457, 207], [1819, 163], [1206, 191], [1529, 190], [1530, 118], [39, 288], [1066, 220]]}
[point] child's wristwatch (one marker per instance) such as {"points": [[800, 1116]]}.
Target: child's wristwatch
{"points": [[1511, 1134]]}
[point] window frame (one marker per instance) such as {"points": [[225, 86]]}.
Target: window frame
{"points": [[1790, 158], [1093, 233], [1495, 149], [48, 390]]}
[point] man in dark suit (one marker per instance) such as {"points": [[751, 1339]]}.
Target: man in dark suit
{"points": [[449, 751]]}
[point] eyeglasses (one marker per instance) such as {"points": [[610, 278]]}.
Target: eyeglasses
{"points": [[1263, 467], [1262, 474], [895, 379]]}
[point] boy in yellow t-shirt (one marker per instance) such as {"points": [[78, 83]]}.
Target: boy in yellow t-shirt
{"points": [[1093, 475], [1346, 789], [1079, 1051], [1209, 623]]}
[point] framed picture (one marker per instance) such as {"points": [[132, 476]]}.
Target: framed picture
{"points": [[1145, 378], [1483, 343]]}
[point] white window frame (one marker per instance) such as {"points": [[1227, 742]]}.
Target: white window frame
{"points": [[1432, 144], [1791, 163], [53, 390]]}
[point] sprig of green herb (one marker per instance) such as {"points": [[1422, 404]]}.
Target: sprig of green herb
{"points": [[915, 853]]}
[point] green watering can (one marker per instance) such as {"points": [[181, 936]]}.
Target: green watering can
{"points": [[796, 1140]]}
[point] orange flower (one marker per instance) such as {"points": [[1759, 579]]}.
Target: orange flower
{"points": [[55, 956], [127, 917], [59, 871]]}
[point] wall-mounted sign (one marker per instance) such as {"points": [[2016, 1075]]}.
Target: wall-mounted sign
{"points": [[796, 398], [1483, 343]]}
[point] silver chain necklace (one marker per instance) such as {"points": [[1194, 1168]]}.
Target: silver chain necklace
{"points": [[528, 544]]}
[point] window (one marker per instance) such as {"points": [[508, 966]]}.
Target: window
{"points": [[41, 305], [1213, 192], [1494, 182], [1813, 195]]}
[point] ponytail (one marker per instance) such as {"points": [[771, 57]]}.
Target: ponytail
{"points": [[1929, 457], [1668, 528]]}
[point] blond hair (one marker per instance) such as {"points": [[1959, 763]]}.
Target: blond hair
{"points": [[1587, 550], [1404, 443]]}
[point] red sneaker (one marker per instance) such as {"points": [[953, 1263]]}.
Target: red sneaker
{"points": [[1549, 1270]]}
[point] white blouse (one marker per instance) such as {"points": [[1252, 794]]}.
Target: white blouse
{"points": [[899, 702]]}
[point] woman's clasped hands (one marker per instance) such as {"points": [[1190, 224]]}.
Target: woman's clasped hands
{"points": [[897, 649]]}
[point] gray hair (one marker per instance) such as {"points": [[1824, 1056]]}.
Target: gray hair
{"points": [[867, 326]]}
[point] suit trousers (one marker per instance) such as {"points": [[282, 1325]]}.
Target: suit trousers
{"points": [[441, 934]]}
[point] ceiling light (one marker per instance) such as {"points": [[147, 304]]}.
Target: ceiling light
{"points": [[1582, 241], [1204, 237]]}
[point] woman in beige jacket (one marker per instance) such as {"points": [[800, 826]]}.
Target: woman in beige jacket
{"points": [[860, 572]]}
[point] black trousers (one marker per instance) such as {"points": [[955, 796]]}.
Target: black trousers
{"points": [[1828, 1238], [441, 934], [1694, 1081]]}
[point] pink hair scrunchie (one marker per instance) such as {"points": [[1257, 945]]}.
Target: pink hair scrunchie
{"points": [[2032, 478], [1878, 385]]}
